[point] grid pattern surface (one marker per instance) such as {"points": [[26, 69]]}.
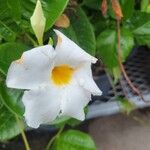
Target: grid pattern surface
{"points": [[138, 70]]}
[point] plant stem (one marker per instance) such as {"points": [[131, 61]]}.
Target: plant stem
{"points": [[122, 83], [32, 40], [52, 140], [111, 82], [20, 124], [136, 90]]}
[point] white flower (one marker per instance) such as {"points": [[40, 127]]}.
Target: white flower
{"points": [[58, 81]]}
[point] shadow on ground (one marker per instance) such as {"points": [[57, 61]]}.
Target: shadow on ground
{"points": [[121, 132]]}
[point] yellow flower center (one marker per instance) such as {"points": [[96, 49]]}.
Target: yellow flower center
{"points": [[62, 74]]}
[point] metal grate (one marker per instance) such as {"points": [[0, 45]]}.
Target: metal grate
{"points": [[138, 70]]}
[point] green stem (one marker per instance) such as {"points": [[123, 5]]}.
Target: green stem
{"points": [[20, 124], [111, 82], [52, 140], [32, 40]]}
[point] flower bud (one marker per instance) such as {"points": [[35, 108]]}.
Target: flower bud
{"points": [[104, 7], [117, 9], [38, 22]]}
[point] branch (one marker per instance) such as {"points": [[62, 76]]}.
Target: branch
{"points": [[136, 90]]}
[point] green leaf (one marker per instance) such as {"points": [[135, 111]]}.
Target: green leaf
{"points": [[141, 25], [5, 13], [6, 32], [144, 4], [1, 78], [12, 99], [148, 9], [52, 10], [126, 106], [6, 17], [8, 125], [127, 42], [81, 31], [61, 121], [116, 73], [74, 140], [143, 30], [8, 53], [107, 48], [94, 4], [139, 19], [127, 8], [143, 39], [65, 120], [15, 9]]}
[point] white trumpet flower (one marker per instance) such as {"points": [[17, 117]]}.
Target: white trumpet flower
{"points": [[58, 82]]}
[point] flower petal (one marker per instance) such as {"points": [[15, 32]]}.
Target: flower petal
{"points": [[32, 69], [42, 105], [70, 53], [74, 100], [85, 79]]}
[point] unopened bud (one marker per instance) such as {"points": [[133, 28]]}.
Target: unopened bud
{"points": [[117, 9], [104, 7], [38, 22], [63, 21]]}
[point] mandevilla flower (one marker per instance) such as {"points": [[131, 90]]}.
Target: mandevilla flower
{"points": [[58, 82]]}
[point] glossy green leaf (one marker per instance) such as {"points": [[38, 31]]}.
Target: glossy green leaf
{"points": [[6, 32], [141, 25], [127, 43], [81, 31], [142, 39], [107, 48], [5, 13], [116, 74], [8, 125], [15, 9], [12, 99], [127, 8], [144, 4], [139, 19], [143, 30], [8, 19], [1, 77], [8, 53], [148, 9], [61, 121], [74, 140], [52, 10], [94, 4]]}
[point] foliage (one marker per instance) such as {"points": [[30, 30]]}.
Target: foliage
{"points": [[125, 105], [74, 140], [8, 125]]}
